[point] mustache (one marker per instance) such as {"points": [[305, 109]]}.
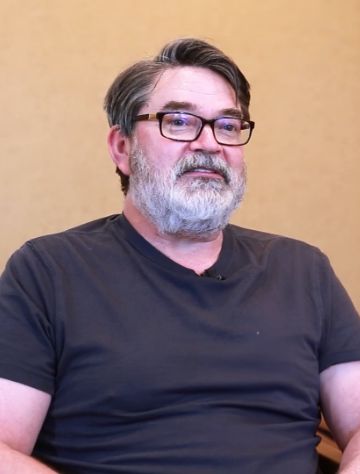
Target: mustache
{"points": [[205, 161]]}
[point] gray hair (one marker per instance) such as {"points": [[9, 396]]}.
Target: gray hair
{"points": [[132, 87]]}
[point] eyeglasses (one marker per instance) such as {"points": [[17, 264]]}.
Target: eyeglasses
{"points": [[186, 127]]}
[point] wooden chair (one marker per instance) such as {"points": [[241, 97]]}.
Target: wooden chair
{"points": [[329, 452]]}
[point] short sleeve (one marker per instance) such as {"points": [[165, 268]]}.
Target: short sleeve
{"points": [[341, 323], [27, 335]]}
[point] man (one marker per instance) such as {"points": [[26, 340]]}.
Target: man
{"points": [[164, 340]]}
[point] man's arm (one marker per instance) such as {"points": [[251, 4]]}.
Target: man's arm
{"points": [[340, 400], [22, 413]]}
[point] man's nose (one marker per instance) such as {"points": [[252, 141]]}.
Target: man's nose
{"points": [[205, 141]]}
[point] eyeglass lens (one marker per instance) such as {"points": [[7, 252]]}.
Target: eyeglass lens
{"points": [[183, 126]]}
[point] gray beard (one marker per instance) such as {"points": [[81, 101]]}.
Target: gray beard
{"points": [[189, 208]]}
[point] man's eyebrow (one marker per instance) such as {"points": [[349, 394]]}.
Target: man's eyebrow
{"points": [[232, 112], [174, 105]]}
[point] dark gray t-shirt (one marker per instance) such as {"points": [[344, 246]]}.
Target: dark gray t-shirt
{"points": [[156, 370]]}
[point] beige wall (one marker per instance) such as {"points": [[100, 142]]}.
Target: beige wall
{"points": [[302, 58]]}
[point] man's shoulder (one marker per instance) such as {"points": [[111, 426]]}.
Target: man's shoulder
{"points": [[85, 238], [91, 229], [266, 242]]}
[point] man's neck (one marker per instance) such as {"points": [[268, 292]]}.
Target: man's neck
{"points": [[197, 253]]}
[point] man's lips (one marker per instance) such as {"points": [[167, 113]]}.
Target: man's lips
{"points": [[205, 172]]}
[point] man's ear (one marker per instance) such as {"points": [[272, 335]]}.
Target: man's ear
{"points": [[119, 149]]}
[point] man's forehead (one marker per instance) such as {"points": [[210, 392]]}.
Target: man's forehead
{"points": [[193, 86]]}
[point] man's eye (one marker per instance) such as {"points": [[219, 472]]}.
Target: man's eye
{"points": [[228, 126], [178, 122]]}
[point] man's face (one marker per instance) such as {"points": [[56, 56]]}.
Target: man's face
{"points": [[186, 188]]}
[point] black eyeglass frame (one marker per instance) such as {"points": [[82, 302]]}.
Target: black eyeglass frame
{"points": [[160, 115]]}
